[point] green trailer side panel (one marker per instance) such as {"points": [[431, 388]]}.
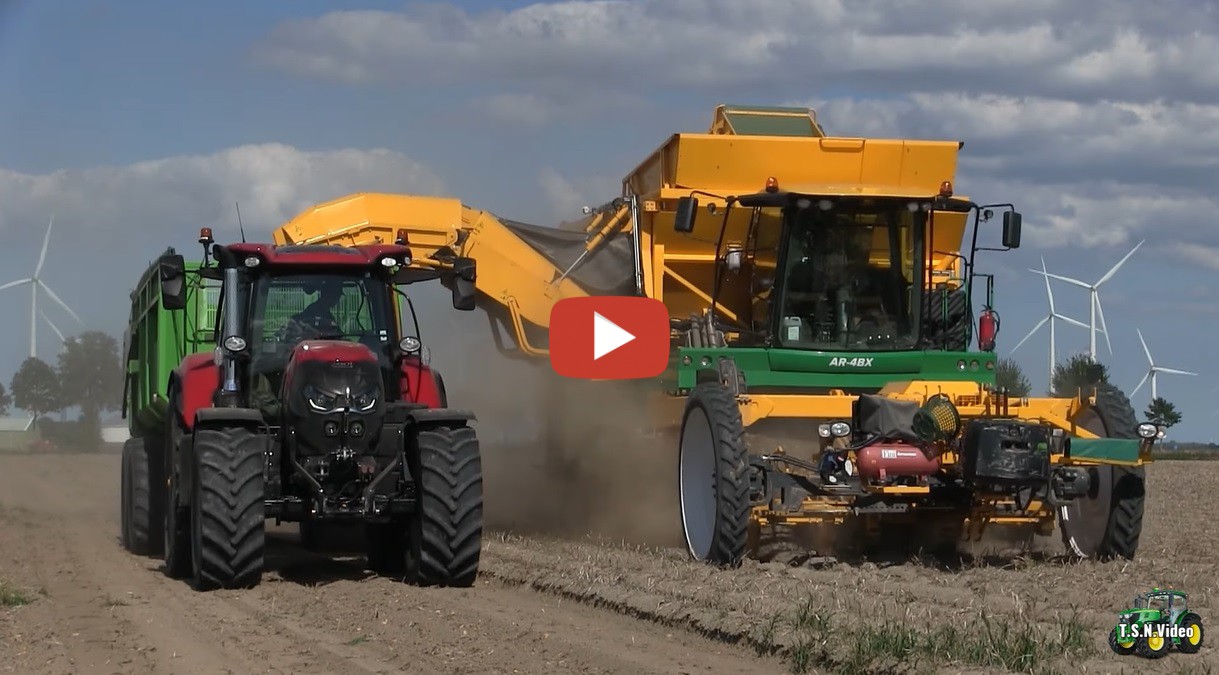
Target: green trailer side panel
{"points": [[158, 339]]}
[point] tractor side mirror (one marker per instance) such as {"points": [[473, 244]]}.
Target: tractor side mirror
{"points": [[683, 217], [173, 281], [464, 288], [1011, 229]]}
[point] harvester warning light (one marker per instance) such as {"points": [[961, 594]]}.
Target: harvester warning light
{"points": [[401, 238], [205, 236], [946, 189], [772, 184]]}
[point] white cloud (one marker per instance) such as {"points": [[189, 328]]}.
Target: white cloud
{"points": [[567, 196], [1118, 49], [272, 182]]}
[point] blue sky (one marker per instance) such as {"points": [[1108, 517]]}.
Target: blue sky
{"points": [[137, 122]]}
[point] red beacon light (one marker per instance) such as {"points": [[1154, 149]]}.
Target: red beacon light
{"points": [[946, 189], [205, 236], [400, 237], [772, 184]]}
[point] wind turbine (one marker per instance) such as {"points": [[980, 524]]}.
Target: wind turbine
{"points": [[35, 283], [1095, 307], [1050, 318], [1151, 372]]}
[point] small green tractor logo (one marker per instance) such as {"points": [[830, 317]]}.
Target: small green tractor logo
{"points": [[1154, 624]]}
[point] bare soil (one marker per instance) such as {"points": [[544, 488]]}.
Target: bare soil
{"points": [[72, 601]]}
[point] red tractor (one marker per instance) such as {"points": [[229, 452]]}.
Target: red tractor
{"points": [[322, 413]]}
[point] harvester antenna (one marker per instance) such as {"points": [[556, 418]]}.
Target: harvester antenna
{"points": [[240, 227]]}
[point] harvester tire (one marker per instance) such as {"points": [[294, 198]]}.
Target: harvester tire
{"points": [[141, 531], [445, 539], [228, 518], [713, 479], [1107, 522]]}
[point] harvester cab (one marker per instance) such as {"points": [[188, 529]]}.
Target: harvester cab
{"points": [[316, 406]]}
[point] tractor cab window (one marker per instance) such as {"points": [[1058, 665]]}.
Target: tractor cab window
{"points": [[850, 276], [287, 309]]}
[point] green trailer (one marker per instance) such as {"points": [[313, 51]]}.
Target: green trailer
{"points": [[155, 342]]}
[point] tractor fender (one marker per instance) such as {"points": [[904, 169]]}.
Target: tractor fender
{"points": [[430, 417], [420, 384], [197, 377], [228, 417]]}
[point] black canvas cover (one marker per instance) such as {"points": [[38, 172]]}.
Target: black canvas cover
{"points": [[608, 271], [887, 418]]}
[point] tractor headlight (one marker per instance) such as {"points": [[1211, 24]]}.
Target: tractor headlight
{"points": [[252, 261], [840, 430], [823, 431], [235, 343], [364, 402], [1148, 430], [319, 400], [388, 261], [410, 344]]}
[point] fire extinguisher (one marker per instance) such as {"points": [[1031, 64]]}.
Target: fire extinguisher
{"points": [[988, 328]]}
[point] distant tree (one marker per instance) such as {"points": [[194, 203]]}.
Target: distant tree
{"points": [[5, 400], [92, 376], [36, 388], [1077, 373], [1008, 374], [1162, 413]]}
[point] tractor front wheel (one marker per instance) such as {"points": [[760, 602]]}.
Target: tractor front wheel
{"points": [[713, 480], [1106, 523], [444, 539], [228, 521], [1119, 644], [1155, 645], [1192, 641]]}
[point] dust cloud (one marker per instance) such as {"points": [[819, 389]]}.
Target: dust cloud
{"points": [[561, 458]]}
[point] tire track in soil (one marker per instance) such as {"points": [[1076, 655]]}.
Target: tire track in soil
{"points": [[107, 611]]}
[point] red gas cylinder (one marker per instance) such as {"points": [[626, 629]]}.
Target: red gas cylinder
{"points": [[879, 462]]}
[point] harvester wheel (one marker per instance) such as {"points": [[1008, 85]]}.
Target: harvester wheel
{"points": [[445, 537], [713, 482], [125, 496], [227, 510], [142, 536], [1107, 522]]}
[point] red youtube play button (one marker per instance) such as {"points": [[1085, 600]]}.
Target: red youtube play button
{"points": [[609, 338]]}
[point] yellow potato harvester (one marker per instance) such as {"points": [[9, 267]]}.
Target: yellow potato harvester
{"points": [[822, 294]]}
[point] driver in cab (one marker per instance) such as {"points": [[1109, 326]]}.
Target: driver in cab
{"points": [[318, 317]]}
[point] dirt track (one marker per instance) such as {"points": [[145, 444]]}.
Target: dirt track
{"points": [[97, 609], [549, 606]]}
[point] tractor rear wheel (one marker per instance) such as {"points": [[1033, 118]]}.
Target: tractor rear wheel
{"points": [[1106, 523], [175, 527], [141, 526], [713, 479], [444, 540], [228, 521]]}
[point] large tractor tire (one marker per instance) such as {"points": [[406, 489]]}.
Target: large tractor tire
{"points": [[228, 517], [444, 539], [176, 526], [713, 479], [141, 523], [1106, 523]]}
